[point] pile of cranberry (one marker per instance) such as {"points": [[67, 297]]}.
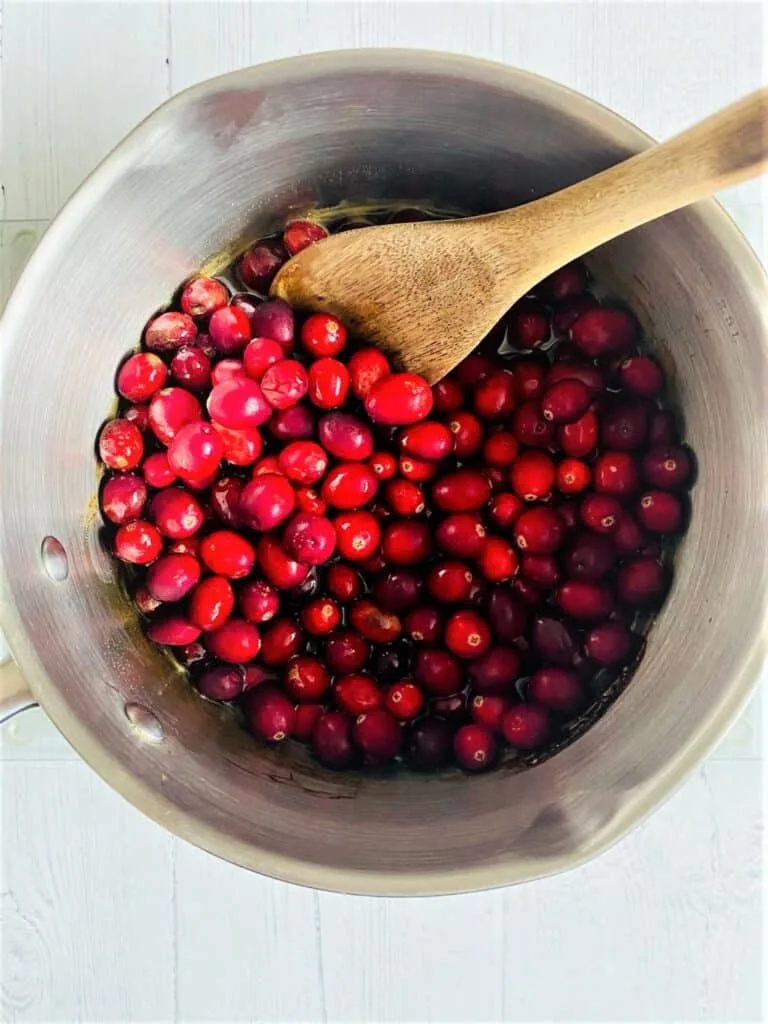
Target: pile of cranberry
{"points": [[383, 569]]}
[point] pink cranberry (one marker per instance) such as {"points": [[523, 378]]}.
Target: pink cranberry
{"points": [[202, 296], [430, 744], [558, 689], [641, 377], [565, 401], [173, 631], [526, 726], [306, 679], [229, 330], [328, 383], [405, 542], [211, 602], [466, 635], [539, 531], [196, 451], [346, 652], [530, 428], [172, 577], [436, 671], [277, 566], [321, 616], [227, 370], [398, 590], [123, 498], [267, 501], [580, 438], [332, 740], [274, 319], [176, 513], [141, 376], [601, 513], [323, 335], [495, 396], [640, 582], [227, 553], [285, 383], [346, 437], [604, 331], [447, 395], [624, 426], [302, 233], [462, 491], [366, 368], [616, 473], [660, 512], [170, 331], [528, 324], [554, 641], [399, 399], [423, 625], [138, 542], [428, 440], [357, 693], [467, 433], [238, 403], [585, 601], [358, 535], [191, 368], [610, 643], [269, 713], [260, 264], [495, 670], [259, 355], [309, 539], [282, 639], [121, 445], [349, 485], [667, 467], [474, 747], [450, 581]]}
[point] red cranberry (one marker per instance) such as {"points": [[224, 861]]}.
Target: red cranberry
{"points": [[237, 641], [404, 701], [306, 679], [500, 449], [328, 383], [269, 713], [349, 486], [307, 717], [225, 499], [529, 377], [495, 396], [332, 740], [423, 625], [489, 710], [172, 577], [141, 376], [628, 537], [624, 426], [310, 539], [526, 726], [496, 669], [565, 402], [504, 509], [282, 639], [374, 624], [558, 689], [237, 404], [259, 602], [405, 542], [358, 535], [466, 635], [450, 581], [123, 498], [429, 440], [268, 464], [211, 602], [436, 671], [585, 601], [399, 399], [196, 451], [176, 513], [346, 437], [192, 369], [222, 682], [475, 369], [461, 535], [170, 331], [302, 233], [604, 331], [357, 693], [173, 630], [573, 476], [404, 497], [467, 433], [308, 500], [304, 462], [241, 447], [227, 553], [229, 330], [530, 428], [416, 470], [566, 312], [138, 415], [121, 445], [202, 296], [507, 614], [260, 264], [539, 531], [321, 616], [462, 491], [430, 744], [474, 747], [447, 395], [323, 335], [342, 581], [284, 384], [532, 475], [274, 319], [660, 512], [277, 566], [601, 513], [528, 324], [667, 467], [641, 377], [366, 368], [583, 372], [553, 640], [378, 735], [138, 542], [259, 355], [383, 465], [267, 501], [542, 570], [398, 590], [498, 560], [580, 438], [640, 582], [616, 473], [610, 643], [227, 370], [346, 652], [662, 428]]}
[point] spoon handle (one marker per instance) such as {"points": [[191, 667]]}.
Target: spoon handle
{"points": [[720, 151]]}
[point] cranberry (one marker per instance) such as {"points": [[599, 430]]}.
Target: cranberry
{"points": [[176, 513], [436, 671], [346, 437], [366, 368], [566, 282], [583, 372], [526, 726], [662, 428], [323, 335], [269, 713], [447, 395], [192, 369], [398, 590], [138, 415], [281, 640], [530, 428], [227, 370], [357, 693], [495, 396], [528, 324], [346, 652], [554, 641], [378, 735], [374, 624], [428, 440], [406, 541], [558, 689], [416, 470], [211, 602], [304, 462], [196, 452], [404, 700], [585, 601], [565, 401], [529, 377], [498, 560], [496, 669], [227, 553], [123, 498], [202, 296], [358, 535], [423, 625], [237, 404], [461, 535], [241, 447], [310, 539], [543, 570], [222, 682], [539, 530], [277, 566], [349, 486], [259, 355], [532, 594], [616, 473], [532, 475], [307, 717], [624, 426], [628, 537], [260, 264], [573, 476], [267, 501], [504, 509], [399, 399], [610, 643], [507, 614], [462, 491], [590, 557], [660, 512], [274, 319], [321, 616], [284, 384], [332, 740], [306, 678], [225, 499], [604, 331], [489, 710], [467, 433], [172, 577], [430, 744], [308, 500], [328, 383], [667, 467], [474, 369], [640, 582], [170, 331], [259, 602], [580, 438], [229, 330], [500, 449], [474, 746], [121, 445], [141, 376], [601, 513], [173, 630], [302, 233], [466, 635], [566, 312], [404, 497], [138, 542], [268, 464], [641, 377], [383, 465]]}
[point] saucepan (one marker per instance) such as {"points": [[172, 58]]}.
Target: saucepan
{"points": [[231, 159]]}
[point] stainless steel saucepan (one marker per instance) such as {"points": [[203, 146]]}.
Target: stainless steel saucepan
{"points": [[228, 160]]}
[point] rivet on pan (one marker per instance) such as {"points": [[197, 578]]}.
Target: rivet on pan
{"points": [[146, 725], [55, 561]]}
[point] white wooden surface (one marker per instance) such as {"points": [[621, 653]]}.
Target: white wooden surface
{"points": [[107, 918]]}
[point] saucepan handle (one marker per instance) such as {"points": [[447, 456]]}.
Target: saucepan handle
{"points": [[15, 696]]}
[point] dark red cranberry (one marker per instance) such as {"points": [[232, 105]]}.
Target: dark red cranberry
{"points": [[138, 543], [628, 537], [225, 499], [616, 473], [399, 399], [281, 640], [496, 670], [624, 426], [529, 377], [346, 437], [332, 740], [489, 709], [307, 717], [452, 708], [542, 570], [539, 530], [430, 744], [558, 689], [507, 614], [404, 497], [498, 560], [227, 553], [404, 701], [310, 539], [302, 233], [526, 726], [530, 428], [323, 335], [565, 401], [565, 283], [532, 475], [604, 332], [170, 331], [667, 467], [196, 452], [554, 641], [585, 601], [123, 498], [580, 438], [277, 566], [528, 324], [284, 384], [176, 513], [662, 428], [211, 602], [191, 654], [466, 635], [306, 679], [378, 735], [342, 581], [640, 582], [474, 747], [447, 395], [358, 535], [610, 643], [172, 630], [141, 376], [475, 368], [294, 424], [346, 652], [269, 713], [357, 693], [406, 541], [229, 330], [495, 397], [590, 557], [267, 501], [237, 404], [121, 445], [237, 641], [461, 535], [423, 625], [366, 368], [191, 368], [660, 512], [274, 319], [328, 383], [436, 671], [391, 662], [601, 513], [583, 372], [467, 431], [259, 355], [566, 312], [398, 590], [462, 491], [641, 377], [259, 602], [222, 682], [259, 265]]}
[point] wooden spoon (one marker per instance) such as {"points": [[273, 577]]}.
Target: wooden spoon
{"points": [[429, 292]]}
